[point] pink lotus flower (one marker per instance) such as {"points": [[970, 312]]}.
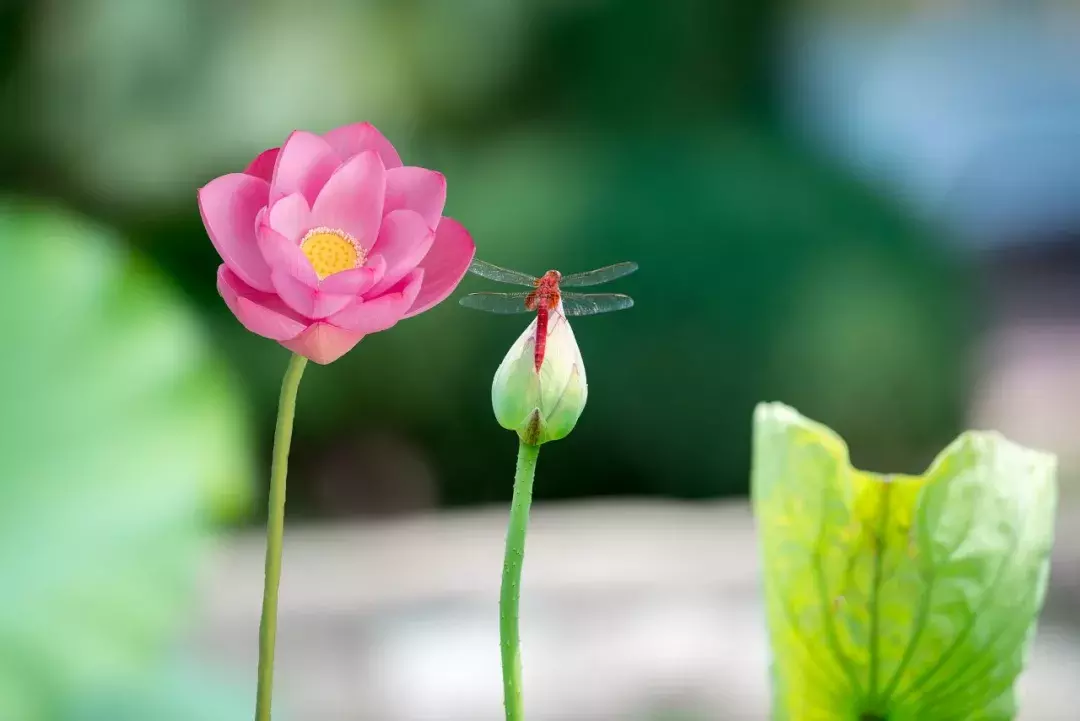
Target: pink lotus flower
{"points": [[330, 238]]}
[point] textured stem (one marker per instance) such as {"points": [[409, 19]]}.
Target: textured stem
{"points": [[275, 531], [511, 580]]}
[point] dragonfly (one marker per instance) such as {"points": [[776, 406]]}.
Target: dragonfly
{"points": [[547, 294]]}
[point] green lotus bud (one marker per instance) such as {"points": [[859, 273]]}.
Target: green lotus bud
{"points": [[542, 404], [907, 598]]}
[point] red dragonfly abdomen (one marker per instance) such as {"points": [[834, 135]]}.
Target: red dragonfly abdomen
{"points": [[541, 336], [545, 299]]}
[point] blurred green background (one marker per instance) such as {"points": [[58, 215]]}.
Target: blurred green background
{"points": [[572, 134]]}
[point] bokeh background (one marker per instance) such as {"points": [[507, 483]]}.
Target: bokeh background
{"points": [[868, 210]]}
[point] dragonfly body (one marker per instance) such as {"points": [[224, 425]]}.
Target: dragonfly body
{"points": [[543, 300], [547, 295]]}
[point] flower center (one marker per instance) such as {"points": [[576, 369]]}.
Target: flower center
{"points": [[332, 251]]}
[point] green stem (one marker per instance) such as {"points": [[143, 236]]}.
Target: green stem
{"points": [[511, 580], [275, 531]]}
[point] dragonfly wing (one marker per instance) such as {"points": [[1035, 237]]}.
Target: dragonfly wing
{"points": [[575, 304], [598, 276], [503, 303], [502, 275]]}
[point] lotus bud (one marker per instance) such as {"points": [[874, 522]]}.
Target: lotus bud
{"points": [[541, 397]]}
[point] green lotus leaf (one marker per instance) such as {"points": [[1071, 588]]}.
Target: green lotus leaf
{"points": [[894, 597], [120, 438], [178, 690]]}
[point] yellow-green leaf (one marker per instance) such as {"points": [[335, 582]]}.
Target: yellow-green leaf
{"points": [[898, 597]]}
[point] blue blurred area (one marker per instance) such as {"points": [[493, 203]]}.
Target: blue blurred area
{"points": [[794, 179]]}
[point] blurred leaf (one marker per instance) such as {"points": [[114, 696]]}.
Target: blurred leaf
{"points": [[119, 438], [171, 692], [899, 597]]}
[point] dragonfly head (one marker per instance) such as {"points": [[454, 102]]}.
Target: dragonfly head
{"points": [[551, 277]]}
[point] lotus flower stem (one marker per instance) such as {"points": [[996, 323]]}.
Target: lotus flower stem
{"points": [[511, 580], [275, 531]]}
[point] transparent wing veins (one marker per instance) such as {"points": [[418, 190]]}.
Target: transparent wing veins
{"points": [[501, 275], [598, 276], [577, 304], [502, 303]]}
